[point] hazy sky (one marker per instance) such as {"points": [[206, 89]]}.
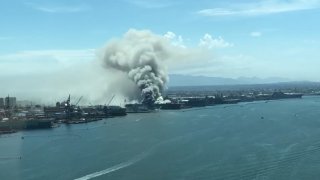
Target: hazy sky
{"points": [[272, 38]]}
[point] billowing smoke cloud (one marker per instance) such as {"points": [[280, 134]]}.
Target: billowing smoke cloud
{"points": [[141, 55], [133, 68]]}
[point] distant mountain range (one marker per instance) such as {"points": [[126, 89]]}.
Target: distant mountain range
{"points": [[187, 80]]}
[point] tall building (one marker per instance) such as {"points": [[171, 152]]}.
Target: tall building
{"points": [[10, 102], [1, 103]]}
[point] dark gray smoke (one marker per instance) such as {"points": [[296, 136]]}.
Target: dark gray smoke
{"points": [[140, 55]]}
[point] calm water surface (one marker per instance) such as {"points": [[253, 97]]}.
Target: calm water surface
{"points": [[257, 140]]}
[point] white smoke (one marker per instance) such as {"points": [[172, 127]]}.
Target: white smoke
{"points": [[133, 68], [141, 55], [160, 100]]}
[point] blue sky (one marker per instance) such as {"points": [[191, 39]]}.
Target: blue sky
{"points": [[272, 38]]}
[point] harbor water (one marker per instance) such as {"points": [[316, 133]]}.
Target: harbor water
{"points": [[256, 140]]}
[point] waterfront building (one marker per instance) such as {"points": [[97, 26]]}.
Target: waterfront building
{"points": [[1, 103], [10, 102]]}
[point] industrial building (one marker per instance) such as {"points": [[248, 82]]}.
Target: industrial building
{"points": [[1, 103], [10, 102]]}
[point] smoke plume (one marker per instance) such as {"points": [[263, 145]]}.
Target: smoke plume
{"points": [[141, 55], [133, 67]]}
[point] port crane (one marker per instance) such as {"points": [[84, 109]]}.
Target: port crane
{"points": [[110, 100], [71, 110], [79, 100]]}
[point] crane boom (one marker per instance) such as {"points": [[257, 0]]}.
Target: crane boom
{"points": [[111, 100], [79, 100]]}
